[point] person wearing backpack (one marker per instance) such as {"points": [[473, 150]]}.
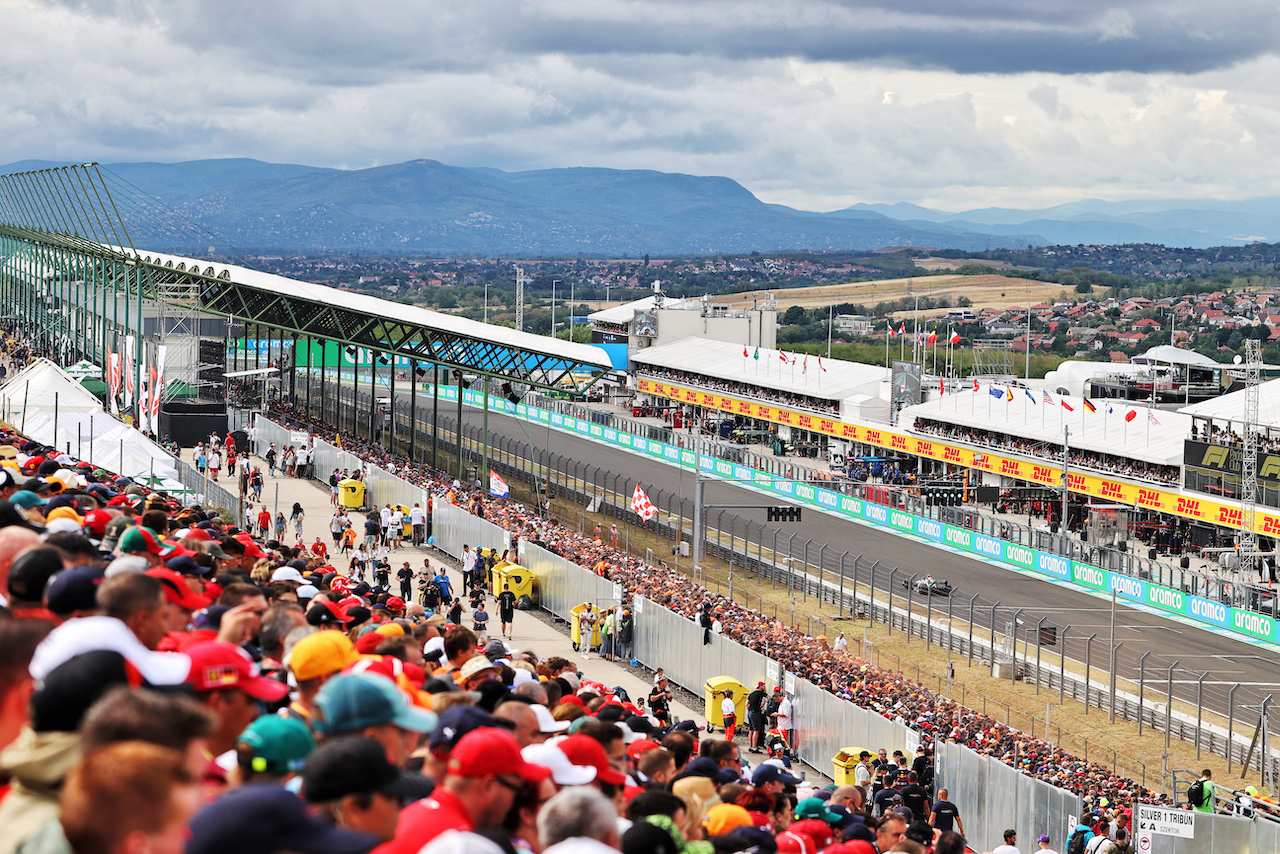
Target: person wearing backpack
{"points": [[1122, 845], [1101, 838], [1200, 793], [1080, 836]]}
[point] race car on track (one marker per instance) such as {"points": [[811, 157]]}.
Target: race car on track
{"points": [[929, 586]]}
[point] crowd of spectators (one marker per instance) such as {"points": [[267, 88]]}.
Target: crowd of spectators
{"points": [[851, 678], [1111, 463], [821, 405]]}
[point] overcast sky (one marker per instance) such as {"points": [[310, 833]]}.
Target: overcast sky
{"points": [[811, 103]]}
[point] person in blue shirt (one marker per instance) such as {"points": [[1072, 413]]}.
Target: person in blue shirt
{"points": [[442, 581]]}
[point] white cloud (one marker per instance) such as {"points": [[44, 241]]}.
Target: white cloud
{"points": [[814, 103]]}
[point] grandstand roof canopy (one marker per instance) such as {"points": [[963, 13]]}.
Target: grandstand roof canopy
{"points": [[1101, 432], [724, 360], [1230, 407], [619, 314]]}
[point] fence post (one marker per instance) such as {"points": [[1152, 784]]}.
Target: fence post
{"points": [[928, 620], [1231, 721], [822, 556], [840, 601], [1088, 660], [1142, 685], [1013, 648], [1168, 712], [993, 639], [804, 575], [892, 573], [1039, 627], [871, 606], [911, 594], [1200, 711], [972, 600], [1062, 662]]}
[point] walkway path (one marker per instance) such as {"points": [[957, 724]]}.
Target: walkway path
{"points": [[529, 632]]}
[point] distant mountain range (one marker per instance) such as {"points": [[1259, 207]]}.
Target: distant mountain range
{"points": [[424, 206]]}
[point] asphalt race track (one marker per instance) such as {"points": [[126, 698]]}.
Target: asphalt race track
{"points": [[1227, 660]]}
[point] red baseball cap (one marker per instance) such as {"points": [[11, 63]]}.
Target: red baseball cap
{"points": [[395, 603], [216, 665], [640, 745], [176, 589], [251, 549], [487, 751], [585, 750], [96, 521]]}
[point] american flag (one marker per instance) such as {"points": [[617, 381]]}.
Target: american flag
{"points": [[641, 504]]}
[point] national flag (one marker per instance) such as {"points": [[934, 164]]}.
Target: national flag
{"points": [[152, 401], [822, 366], [756, 355], [1110, 409], [642, 506], [942, 385], [902, 328], [1151, 416], [1066, 405], [1008, 394], [782, 356], [1088, 404], [1130, 415], [744, 352], [890, 330], [1047, 399], [497, 486], [1031, 397], [129, 379], [933, 338], [804, 369], [994, 392], [955, 338], [975, 385]]}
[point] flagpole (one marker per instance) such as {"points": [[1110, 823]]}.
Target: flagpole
{"points": [[888, 333]]}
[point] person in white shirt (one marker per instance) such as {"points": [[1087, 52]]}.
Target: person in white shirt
{"points": [[1010, 837], [418, 519], [783, 717], [1043, 842], [397, 527], [729, 712], [468, 566], [384, 516], [303, 456], [1101, 838], [841, 644]]}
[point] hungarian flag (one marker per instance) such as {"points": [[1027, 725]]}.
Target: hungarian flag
{"points": [[1088, 404], [642, 506], [1066, 405], [955, 338], [1130, 415], [497, 486]]}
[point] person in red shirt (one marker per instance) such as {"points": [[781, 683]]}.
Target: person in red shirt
{"points": [[319, 549], [482, 776], [264, 521]]}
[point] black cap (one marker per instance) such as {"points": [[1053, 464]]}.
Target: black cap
{"points": [[266, 819], [349, 766], [60, 703], [73, 589], [31, 571], [11, 515], [641, 724]]}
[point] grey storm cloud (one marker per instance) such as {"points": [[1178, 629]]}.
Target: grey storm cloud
{"points": [[989, 36]]}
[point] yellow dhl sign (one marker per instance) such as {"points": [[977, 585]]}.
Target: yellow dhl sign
{"points": [[1121, 492]]}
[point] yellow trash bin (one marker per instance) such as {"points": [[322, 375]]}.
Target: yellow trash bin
{"points": [[351, 494], [521, 580], [715, 690], [843, 764], [575, 629]]}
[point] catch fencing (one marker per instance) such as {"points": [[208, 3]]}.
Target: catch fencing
{"points": [[993, 797], [562, 584], [452, 527]]}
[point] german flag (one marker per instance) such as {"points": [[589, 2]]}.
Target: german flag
{"points": [[1089, 405]]}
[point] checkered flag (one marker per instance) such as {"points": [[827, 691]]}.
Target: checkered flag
{"points": [[642, 505]]}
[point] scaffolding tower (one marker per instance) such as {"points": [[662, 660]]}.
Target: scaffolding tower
{"points": [[1249, 458]]}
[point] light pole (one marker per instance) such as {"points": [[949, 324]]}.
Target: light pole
{"points": [[554, 282]]}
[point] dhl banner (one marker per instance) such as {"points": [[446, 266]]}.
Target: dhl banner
{"points": [[1122, 492]]}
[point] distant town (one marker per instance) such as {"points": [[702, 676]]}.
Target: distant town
{"points": [[1083, 302]]}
